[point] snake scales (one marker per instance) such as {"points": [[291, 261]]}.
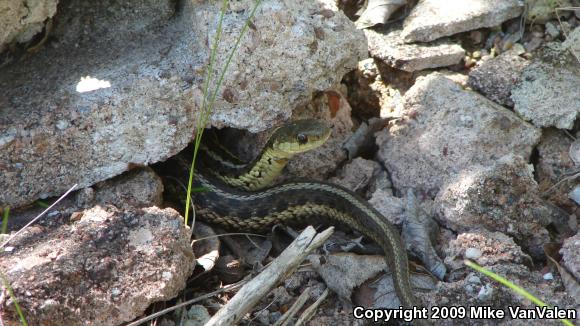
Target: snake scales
{"points": [[237, 196]]}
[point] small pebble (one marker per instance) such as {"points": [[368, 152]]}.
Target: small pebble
{"points": [[575, 194], [472, 253], [115, 292], [485, 293], [552, 30], [518, 49], [548, 276], [474, 279], [62, 124]]}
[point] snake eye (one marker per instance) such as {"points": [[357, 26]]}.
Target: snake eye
{"points": [[302, 139]]}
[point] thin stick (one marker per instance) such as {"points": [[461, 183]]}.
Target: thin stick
{"points": [[282, 267], [285, 319], [310, 310], [39, 215]]}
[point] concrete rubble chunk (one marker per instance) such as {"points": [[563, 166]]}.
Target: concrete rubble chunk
{"points": [[548, 94], [122, 85], [447, 129], [502, 197], [433, 19], [387, 45], [21, 20], [495, 78], [104, 269]]}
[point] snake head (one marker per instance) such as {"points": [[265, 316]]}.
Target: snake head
{"points": [[299, 136]]}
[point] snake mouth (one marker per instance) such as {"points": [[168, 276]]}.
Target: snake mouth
{"points": [[300, 136]]}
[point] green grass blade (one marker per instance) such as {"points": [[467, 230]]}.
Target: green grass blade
{"points": [[200, 120], [4, 229], [13, 297], [208, 106], [513, 287]]}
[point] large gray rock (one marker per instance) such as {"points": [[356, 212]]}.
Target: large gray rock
{"points": [[20, 20], [501, 197], [447, 129], [387, 45], [432, 19], [147, 63], [549, 93], [104, 269]]}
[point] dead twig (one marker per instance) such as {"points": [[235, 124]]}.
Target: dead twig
{"points": [[282, 267], [285, 319], [310, 310]]}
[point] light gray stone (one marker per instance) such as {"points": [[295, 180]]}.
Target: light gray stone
{"points": [[387, 45], [554, 161], [433, 19], [447, 129], [552, 30], [357, 174], [570, 256], [146, 65], [548, 94], [391, 207], [104, 269], [20, 20]]}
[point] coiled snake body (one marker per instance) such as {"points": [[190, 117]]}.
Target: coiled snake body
{"points": [[236, 197]]}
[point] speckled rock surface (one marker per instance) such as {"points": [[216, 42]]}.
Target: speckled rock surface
{"points": [[493, 248], [554, 159], [503, 197], [148, 61], [20, 20], [475, 290], [357, 174], [333, 108], [387, 45], [496, 77], [140, 187], [432, 19], [548, 94], [447, 129], [293, 49], [104, 269], [391, 207], [571, 255]]}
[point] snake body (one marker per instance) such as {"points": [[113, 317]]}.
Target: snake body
{"points": [[236, 198]]}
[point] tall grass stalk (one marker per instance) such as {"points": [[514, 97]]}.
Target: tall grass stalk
{"points": [[4, 229], [513, 287], [210, 97], [13, 297]]}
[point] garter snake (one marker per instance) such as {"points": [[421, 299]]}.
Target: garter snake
{"points": [[236, 196]]}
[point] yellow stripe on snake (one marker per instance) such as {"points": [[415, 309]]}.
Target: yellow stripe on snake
{"points": [[239, 197]]}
